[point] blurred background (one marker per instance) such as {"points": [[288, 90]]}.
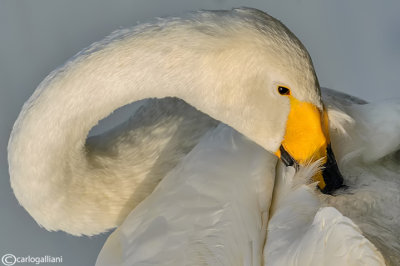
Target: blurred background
{"points": [[355, 46]]}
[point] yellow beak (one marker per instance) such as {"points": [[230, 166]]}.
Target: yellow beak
{"points": [[307, 140]]}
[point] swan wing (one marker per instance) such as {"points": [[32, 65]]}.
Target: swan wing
{"points": [[328, 239], [333, 96], [211, 209]]}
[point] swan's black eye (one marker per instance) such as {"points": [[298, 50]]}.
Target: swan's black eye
{"points": [[283, 90]]}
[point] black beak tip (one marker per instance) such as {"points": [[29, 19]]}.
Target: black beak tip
{"points": [[331, 174]]}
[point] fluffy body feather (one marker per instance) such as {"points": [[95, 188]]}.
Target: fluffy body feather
{"points": [[369, 159], [301, 232]]}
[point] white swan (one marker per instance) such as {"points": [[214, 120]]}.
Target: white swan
{"points": [[241, 67]]}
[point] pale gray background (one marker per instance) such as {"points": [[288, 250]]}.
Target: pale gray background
{"points": [[355, 46]]}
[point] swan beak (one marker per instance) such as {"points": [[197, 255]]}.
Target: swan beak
{"points": [[307, 140]]}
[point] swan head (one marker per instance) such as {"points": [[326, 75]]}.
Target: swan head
{"points": [[266, 87]]}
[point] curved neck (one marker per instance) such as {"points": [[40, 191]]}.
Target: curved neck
{"points": [[49, 169]]}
